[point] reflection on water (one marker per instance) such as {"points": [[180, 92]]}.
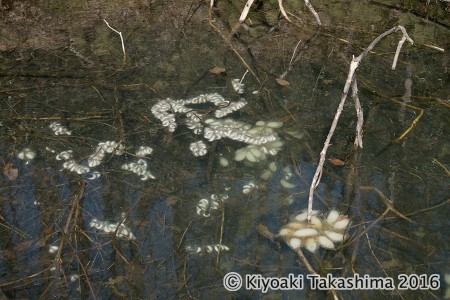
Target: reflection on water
{"points": [[177, 233]]}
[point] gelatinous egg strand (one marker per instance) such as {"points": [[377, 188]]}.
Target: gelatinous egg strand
{"points": [[144, 151], [139, 168], [59, 129], [73, 166], [319, 232], [190, 249], [122, 230], [205, 206]]}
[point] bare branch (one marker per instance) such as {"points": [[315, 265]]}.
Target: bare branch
{"points": [[359, 113], [283, 12], [351, 81], [245, 10], [313, 11]]}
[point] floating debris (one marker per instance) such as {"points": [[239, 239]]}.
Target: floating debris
{"points": [[207, 248], [319, 232], [122, 230], [139, 168], [26, 154], [59, 129], [205, 206], [198, 148]]}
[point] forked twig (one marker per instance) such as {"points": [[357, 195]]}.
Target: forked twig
{"points": [[350, 79]]}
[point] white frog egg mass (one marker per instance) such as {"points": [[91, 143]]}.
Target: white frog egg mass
{"points": [[319, 232]]}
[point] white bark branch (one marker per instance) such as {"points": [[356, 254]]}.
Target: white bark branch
{"points": [[121, 38]]}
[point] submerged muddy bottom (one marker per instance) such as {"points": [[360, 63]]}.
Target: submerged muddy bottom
{"points": [[88, 210]]}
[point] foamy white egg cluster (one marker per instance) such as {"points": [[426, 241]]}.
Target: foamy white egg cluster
{"points": [[122, 230], [139, 168], [198, 148], [319, 232], [207, 248], [26, 154], [59, 129], [205, 206]]}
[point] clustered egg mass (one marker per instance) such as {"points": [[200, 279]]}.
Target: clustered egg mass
{"points": [[318, 232]]}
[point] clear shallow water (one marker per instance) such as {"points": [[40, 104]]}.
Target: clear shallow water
{"points": [[100, 98]]}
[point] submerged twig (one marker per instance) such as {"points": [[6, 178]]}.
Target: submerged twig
{"points": [[231, 46]]}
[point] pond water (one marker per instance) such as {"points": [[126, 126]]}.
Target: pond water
{"points": [[108, 234]]}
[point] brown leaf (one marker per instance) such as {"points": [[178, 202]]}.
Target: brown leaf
{"points": [[10, 172], [218, 70], [282, 82], [336, 162]]}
